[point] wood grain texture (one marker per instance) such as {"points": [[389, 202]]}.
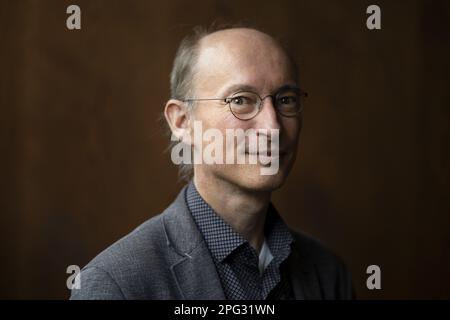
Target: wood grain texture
{"points": [[82, 153]]}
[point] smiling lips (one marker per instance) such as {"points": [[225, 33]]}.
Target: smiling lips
{"points": [[267, 153]]}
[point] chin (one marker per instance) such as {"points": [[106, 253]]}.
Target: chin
{"points": [[249, 178]]}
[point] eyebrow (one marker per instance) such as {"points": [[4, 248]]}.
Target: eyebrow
{"points": [[238, 87], [245, 87]]}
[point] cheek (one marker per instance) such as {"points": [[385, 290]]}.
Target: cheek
{"points": [[292, 128], [217, 116]]}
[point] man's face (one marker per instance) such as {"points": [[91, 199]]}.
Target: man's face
{"points": [[229, 61]]}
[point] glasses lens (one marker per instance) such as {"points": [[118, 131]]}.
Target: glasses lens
{"points": [[244, 105], [289, 103]]}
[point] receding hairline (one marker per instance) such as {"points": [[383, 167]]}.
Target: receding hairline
{"points": [[214, 38], [185, 67], [225, 35], [243, 31]]}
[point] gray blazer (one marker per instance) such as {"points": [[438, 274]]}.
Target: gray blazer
{"points": [[167, 258]]}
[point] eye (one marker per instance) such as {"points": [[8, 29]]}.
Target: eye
{"points": [[238, 100], [287, 100], [242, 100]]}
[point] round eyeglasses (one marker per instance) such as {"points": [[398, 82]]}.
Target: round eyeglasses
{"points": [[246, 105]]}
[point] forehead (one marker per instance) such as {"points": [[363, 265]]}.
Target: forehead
{"points": [[242, 56]]}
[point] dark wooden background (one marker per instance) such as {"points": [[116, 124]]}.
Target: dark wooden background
{"points": [[82, 157]]}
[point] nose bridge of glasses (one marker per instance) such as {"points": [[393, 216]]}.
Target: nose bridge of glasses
{"points": [[272, 99], [270, 112]]}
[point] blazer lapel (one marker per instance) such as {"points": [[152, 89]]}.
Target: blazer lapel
{"points": [[304, 278], [197, 278], [193, 269]]}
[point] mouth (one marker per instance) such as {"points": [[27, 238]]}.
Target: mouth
{"points": [[267, 154]]}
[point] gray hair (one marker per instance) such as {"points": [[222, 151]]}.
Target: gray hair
{"points": [[182, 75]]}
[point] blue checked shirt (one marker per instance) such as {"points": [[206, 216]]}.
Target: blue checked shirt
{"points": [[236, 260]]}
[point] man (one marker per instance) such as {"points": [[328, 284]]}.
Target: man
{"points": [[222, 238]]}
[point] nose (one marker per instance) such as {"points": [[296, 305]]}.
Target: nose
{"points": [[268, 117]]}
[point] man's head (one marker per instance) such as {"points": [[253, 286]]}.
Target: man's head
{"points": [[218, 65]]}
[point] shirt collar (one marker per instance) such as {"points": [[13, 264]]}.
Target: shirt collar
{"points": [[222, 240]]}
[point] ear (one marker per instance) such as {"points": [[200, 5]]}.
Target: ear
{"points": [[177, 116]]}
